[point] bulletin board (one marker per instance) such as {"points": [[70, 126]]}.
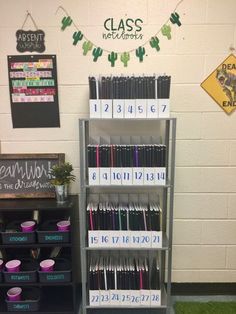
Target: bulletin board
{"points": [[33, 91]]}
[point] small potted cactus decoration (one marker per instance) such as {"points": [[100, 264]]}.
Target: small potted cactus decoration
{"points": [[61, 176]]}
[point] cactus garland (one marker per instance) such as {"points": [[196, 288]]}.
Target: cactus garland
{"points": [[87, 45], [77, 36], [112, 57], [140, 52], [154, 43], [97, 52], [66, 21], [174, 18], [166, 31], [124, 56]]}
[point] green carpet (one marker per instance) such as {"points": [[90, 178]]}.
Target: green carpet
{"points": [[205, 308]]}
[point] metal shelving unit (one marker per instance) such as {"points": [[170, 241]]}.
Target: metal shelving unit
{"points": [[168, 132]]}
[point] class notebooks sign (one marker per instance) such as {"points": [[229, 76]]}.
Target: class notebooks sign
{"points": [[221, 84], [27, 175]]}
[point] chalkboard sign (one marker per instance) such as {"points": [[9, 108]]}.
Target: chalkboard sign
{"points": [[33, 91], [30, 41], [27, 175]]}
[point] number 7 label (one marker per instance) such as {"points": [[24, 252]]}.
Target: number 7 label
{"points": [[164, 108]]}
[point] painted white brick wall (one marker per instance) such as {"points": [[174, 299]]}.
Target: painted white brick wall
{"points": [[205, 198]]}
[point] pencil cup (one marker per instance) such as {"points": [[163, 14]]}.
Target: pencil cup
{"points": [[28, 226], [14, 294], [47, 265], [63, 225], [13, 266]]}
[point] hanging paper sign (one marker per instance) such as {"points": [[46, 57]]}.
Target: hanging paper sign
{"points": [[30, 41], [33, 91], [221, 84]]}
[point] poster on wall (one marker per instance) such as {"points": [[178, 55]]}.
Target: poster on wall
{"points": [[33, 91]]}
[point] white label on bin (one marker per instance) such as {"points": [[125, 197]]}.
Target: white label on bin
{"points": [[94, 297], [106, 111], [135, 239], [138, 176], [140, 108], [130, 108], [93, 174], [145, 239], [135, 297], [152, 108], [118, 108], [116, 176], [114, 297], [156, 239], [95, 108], [124, 297], [105, 176], [105, 297], [160, 176], [145, 298], [125, 238], [93, 238], [149, 176], [105, 238], [164, 108], [155, 297], [127, 176]]}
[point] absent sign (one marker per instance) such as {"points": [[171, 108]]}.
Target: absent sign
{"points": [[27, 175], [33, 91], [221, 84], [30, 41]]}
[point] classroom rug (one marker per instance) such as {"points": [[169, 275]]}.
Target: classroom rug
{"points": [[205, 308]]}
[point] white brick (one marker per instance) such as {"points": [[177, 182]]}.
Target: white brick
{"points": [[74, 99], [232, 206], [200, 206], [221, 11], [202, 153], [16, 9], [5, 100], [232, 160], [4, 70], [71, 149], [204, 39], [189, 125], [218, 126], [98, 11], [192, 11], [218, 232], [188, 180], [67, 131], [198, 257], [187, 232], [231, 257], [204, 276], [183, 99]]}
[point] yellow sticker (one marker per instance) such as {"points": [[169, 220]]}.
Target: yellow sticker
{"points": [[221, 84]]}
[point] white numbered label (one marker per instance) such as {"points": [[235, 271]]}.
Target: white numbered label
{"points": [[145, 298], [141, 108], [156, 239], [138, 176], [164, 108], [125, 297], [130, 106], [93, 176], [135, 297], [104, 297], [106, 108], [118, 108], [149, 176], [114, 297], [95, 108], [105, 176], [94, 297], [155, 298], [160, 176], [127, 176], [93, 238], [116, 176], [152, 108]]}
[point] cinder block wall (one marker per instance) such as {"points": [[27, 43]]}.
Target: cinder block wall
{"points": [[205, 198]]}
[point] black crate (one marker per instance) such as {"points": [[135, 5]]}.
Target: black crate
{"points": [[15, 236], [61, 273], [30, 301], [48, 233], [28, 273]]}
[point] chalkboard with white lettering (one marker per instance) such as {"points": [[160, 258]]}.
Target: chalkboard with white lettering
{"points": [[30, 41], [27, 175]]}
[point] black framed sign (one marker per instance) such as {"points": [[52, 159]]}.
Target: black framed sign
{"points": [[30, 41], [33, 91]]}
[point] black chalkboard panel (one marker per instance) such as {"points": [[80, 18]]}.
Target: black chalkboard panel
{"points": [[26, 175], [33, 91]]}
